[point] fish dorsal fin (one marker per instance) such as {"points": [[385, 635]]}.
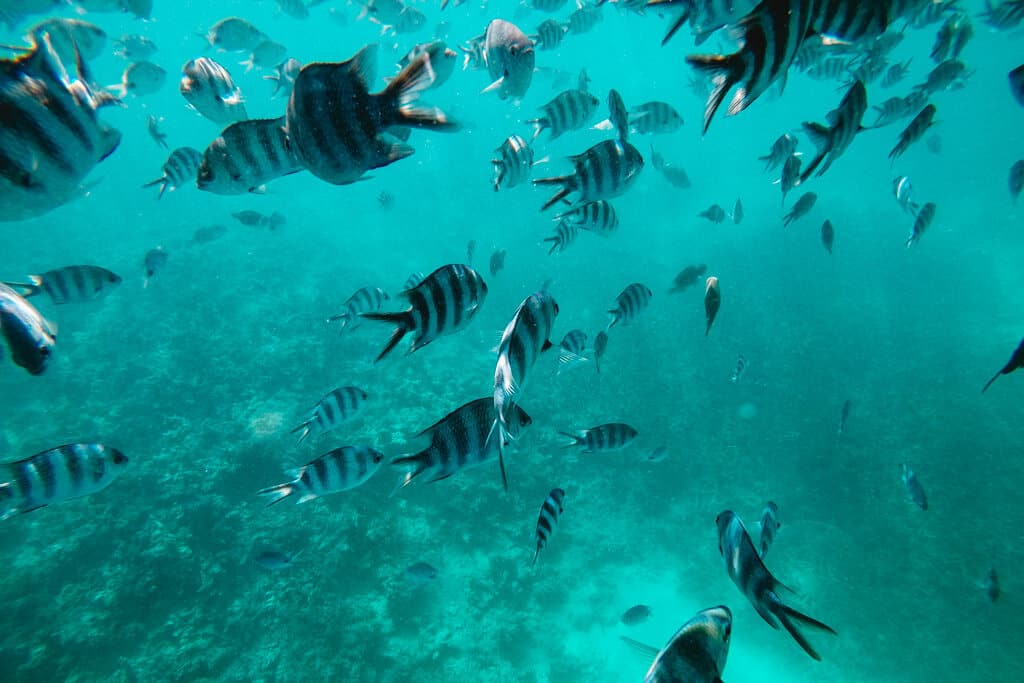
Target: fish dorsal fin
{"points": [[364, 64]]}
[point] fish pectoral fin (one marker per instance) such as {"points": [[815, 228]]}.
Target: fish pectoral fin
{"points": [[494, 86], [642, 648]]}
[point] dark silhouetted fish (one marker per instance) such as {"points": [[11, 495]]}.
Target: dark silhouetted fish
{"points": [[782, 149], [914, 488], [70, 284], [600, 347], [992, 585], [844, 415], [1016, 361], [635, 615], [597, 217], [421, 572], [914, 131], [714, 213], [547, 522], [153, 262], [1016, 182], [712, 302], [234, 34], [341, 469], [696, 653], [1016, 78], [828, 235], [769, 526], [845, 122], [687, 278], [790, 177], [497, 263], [153, 128], [921, 223], [275, 560], [246, 156], [675, 175], [802, 207]]}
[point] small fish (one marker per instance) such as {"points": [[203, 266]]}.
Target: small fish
{"points": [[249, 217], [565, 234], [69, 285], [741, 367], [790, 177], [713, 213], [628, 305], [636, 615], [267, 53], [153, 127], [514, 162], [712, 302], [949, 75], [687, 278], [470, 251], [828, 235], [844, 124], [782, 149], [209, 90], [572, 347], [547, 522], [801, 208], [658, 454], [953, 35], [154, 260], [283, 77], [675, 175], [569, 110], [363, 300], [597, 217], [696, 653], [421, 572], [338, 470], [934, 144], [600, 347], [924, 219], [275, 560], [58, 475], [1016, 361], [442, 60], [896, 108], [584, 19], [903, 191], [296, 9], [1016, 78], [769, 525], [1016, 179], [992, 585], [30, 337], [413, 280], [141, 78], [386, 200], [234, 34], [914, 488], [603, 438], [914, 131], [209, 233], [654, 118], [498, 261], [895, 74], [737, 212], [181, 168], [134, 47], [549, 34], [336, 407], [844, 414]]}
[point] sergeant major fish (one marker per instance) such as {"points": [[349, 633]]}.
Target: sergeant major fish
{"points": [[597, 216], [714, 213], [782, 149], [334, 408], [696, 653], [140, 78], [790, 177], [845, 122], [547, 521], [801, 208], [565, 234], [604, 438], [70, 284], [844, 415], [209, 90], [363, 300], [245, 156], [903, 191], [921, 223], [513, 162], [914, 131], [600, 347], [58, 475], [180, 168], [153, 262], [828, 235], [338, 470], [572, 347], [234, 34], [569, 110], [712, 302], [497, 262], [30, 337], [628, 304], [605, 170]]}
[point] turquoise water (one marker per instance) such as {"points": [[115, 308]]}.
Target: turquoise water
{"points": [[200, 376]]}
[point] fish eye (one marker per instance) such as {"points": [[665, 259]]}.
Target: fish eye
{"points": [[44, 351]]}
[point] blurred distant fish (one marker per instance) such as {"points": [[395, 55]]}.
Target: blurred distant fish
{"points": [[209, 90], [283, 77], [267, 53], [653, 118], [70, 38], [687, 278], [209, 233], [338, 470], [1016, 78], [296, 9], [923, 221], [828, 235], [249, 217], [509, 56], [70, 284], [914, 131], [903, 191], [363, 300], [245, 156], [30, 337], [386, 200], [844, 123], [421, 572], [1016, 179], [598, 217], [140, 78], [696, 653], [153, 127], [58, 475], [629, 303], [470, 251], [658, 454], [737, 212], [583, 19], [782, 149], [844, 416], [497, 263], [179, 169], [550, 33], [569, 110], [1016, 362], [513, 162], [613, 436], [234, 34], [714, 213], [896, 108], [769, 525], [801, 208], [953, 35], [153, 262], [442, 60], [336, 407], [600, 346], [951, 74], [444, 303], [635, 615], [572, 347], [790, 177], [565, 234], [712, 302], [895, 74], [741, 367], [675, 175], [134, 47], [275, 560], [934, 144], [547, 522], [914, 488], [992, 585]]}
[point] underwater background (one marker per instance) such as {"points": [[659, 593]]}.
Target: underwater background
{"points": [[200, 376]]}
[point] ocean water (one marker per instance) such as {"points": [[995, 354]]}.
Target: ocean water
{"points": [[200, 376]]}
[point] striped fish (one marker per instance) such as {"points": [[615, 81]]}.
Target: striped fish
{"points": [[525, 337], [51, 137], [413, 280], [565, 234], [895, 74], [921, 223], [547, 5], [549, 34], [569, 110], [330, 411], [914, 131], [181, 167], [696, 653], [209, 90], [458, 441], [598, 216], [284, 76], [600, 347], [782, 149], [70, 284], [583, 20], [443, 303], [336, 126], [246, 156], [30, 337], [613, 436], [633, 299], [769, 525], [363, 300], [801, 208], [338, 470], [606, 170], [513, 163], [790, 177], [509, 56], [57, 475], [572, 347], [950, 74], [547, 522], [653, 118], [845, 122], [774, 31]]}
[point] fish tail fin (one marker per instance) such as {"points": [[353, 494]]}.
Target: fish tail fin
{"points": [[404, 323], [786, 616], [727, 70], [536, 554], [983, 389], [405, 89], [35, 286], [498, 430], [419, 464], [304, 428], [818, 133], [345, 318], [564, 180], [576, 439], [676, 25], [279, 492]]}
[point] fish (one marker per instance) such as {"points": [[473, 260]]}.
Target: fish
{"points": [[386, 200], [992, 585], [790, 177], [209, 91], [712, 302], [413, 280], [949, 75], [246, 156], [409, 20], [234, 34], [284, 76], [69, 285], [597, 217], [629, 303], [70, 38], [266, 53], [635, 615], [675, 175], [249, 217], [153, 128], [741, 367], [569, 110], [769, 525], [58, 475], [181, 167], [30, 337], [583, 19], [696, 653], [828, 235], [687, 278], [421, 572], [275, 560], [658, 454], [565, 234], [459, 440], [550, 33], [363, 300], [914, 488], [340, 469], [952, 36], [605, 170], [470, 251], [604, 438], [1016, 78], [895, 74], [497, 263], [550, 512], [509, 56], [547, 5], [801, 208], [514, 162], [844, 415], [782, 150], [903, 191], [338, 128], [209, 233], [737, 212], [844, 123], [141, 78], [442, 60], [1016, 362], [914, 131], [934, 144], [336, 407], [296, 9], [152, 262], [921, 223], [654, 118], [134, 47], [714, 213], [1016, 181], [1004, 15], [444, 303], [572, 347], [527, 335], [748, 572], [600, 347]]}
